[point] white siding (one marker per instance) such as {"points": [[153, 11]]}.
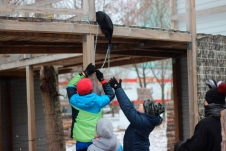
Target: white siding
{"points": [[209, 24], [184, 98]]}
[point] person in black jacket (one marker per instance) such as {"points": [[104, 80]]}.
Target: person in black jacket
{"points": [[207, 135], [142, 122]]}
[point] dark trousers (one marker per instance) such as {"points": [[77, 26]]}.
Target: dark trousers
{"points": [[82, 149]]}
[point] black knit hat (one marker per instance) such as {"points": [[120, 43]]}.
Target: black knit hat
{"points": [[217, 92]]}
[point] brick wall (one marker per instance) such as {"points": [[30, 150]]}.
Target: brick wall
{"points": [[170, 130], [211, 63]]}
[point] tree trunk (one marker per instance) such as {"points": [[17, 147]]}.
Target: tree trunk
{"points": [[52, 109]]}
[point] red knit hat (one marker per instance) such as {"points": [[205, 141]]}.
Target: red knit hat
{"points": [[84, 86]]}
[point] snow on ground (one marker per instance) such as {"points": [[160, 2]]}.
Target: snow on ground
{"points": [[158, 139]]}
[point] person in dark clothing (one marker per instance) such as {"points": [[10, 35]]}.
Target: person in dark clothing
{"points": [[142, 122], [86, 106], [207, 135]]}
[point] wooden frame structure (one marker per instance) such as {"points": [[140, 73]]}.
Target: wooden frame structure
{"points": [[69, 43]]}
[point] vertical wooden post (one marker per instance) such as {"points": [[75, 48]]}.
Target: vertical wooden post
{"points": [[177, 100], [89, 57], [192, 65], [223, 130], [30, 108], [89, 9], [88, 50], [0, 115], [52, 109], [9, 116], [173, 11]]}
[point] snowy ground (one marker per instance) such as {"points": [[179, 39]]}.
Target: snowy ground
{"points": [[157, 138]]}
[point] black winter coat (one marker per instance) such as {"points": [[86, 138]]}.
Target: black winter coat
{"points": [[136, 136], [207, 136]]}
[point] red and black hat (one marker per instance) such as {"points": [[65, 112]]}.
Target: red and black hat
{"points": [[217, 92]]}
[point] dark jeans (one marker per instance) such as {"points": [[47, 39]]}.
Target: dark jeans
{"points": [[82, 149]]}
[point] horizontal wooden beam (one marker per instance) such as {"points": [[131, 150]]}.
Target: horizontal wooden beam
{"points": [[145, 53], [37, 61], [40, 50], [43, 3], [208, 11], [38, 37], [76, 28], [128, 61], [40, 10]]}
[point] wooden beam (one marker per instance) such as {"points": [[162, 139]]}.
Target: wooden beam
{"points": [[73, 28], [40, 10], [204, 12], [177, 100], [40, 36], [38, 50], [89, 10], [37, 60], [144, 53], [13, 73], [88, 50], [30, 108], [1, 114], [192, 65], [9, 116], [120, 62], [43, 2], [173, 11]]}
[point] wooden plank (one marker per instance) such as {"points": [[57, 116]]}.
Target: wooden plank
{"points": [[1, 114], [89, 10], [30, 108], [38, 50], [223, 130], [43, 2], [173, 11], [40, 10], [120, 61], [37, 60], [88, 50], [204, 12], [8, 107], [73, 28], [177, 100], [192, 65]]}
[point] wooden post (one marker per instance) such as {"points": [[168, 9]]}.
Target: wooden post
{"points": [[89, 9], [88, 50], [223, 130], [9, 116], [192, 65], [30, 108], [177, 99], [0, 115], [52, 109], [173, 11]]}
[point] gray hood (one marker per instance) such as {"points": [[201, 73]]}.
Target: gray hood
{"points": [[104, 128], [107, 141]]}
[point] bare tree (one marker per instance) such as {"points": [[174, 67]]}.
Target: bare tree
{"points": [[159, 71], [155, 13]]}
